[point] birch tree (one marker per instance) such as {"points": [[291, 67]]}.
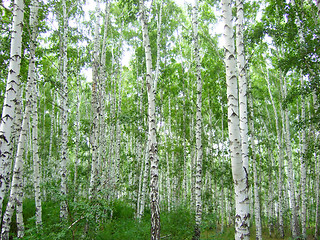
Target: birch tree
{"points": [[64, 111], [13, 84], [36, 160], [240, 174], [152, 141], [95, 107], [292, 189], [257, 210], [280, 159], [198, 182]]}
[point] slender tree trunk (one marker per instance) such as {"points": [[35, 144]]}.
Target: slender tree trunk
{"points": [[64, 114], [95, 108], [280, 165], [222, 195], [152, 141], [17, 182], [317, 173], [36, 160], [243, 112], [32, 78], [240, 174], [156, 77], [140, 148], [16, 191], [292, 194], [78, 136], [13, 84], [198, 182], [144, 182], [303, 168], [103, 98], [255, 177]]}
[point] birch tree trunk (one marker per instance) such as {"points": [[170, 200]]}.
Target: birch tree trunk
{"points": [[103, 98], [280, 159], [13, 84], [95, 108], [152, 141], [292, 194], [17, 180], [239, 173], [317, 172], [36, 159], [198, 182], [255, 177], [16, 191], [32, 78], [64, 114], [243, 113], [303, 168], [118, 134]]}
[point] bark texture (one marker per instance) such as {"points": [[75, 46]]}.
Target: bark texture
{"points": [[198, 182], [64, 114], [12, 88], [152, 141], [239, 172]]}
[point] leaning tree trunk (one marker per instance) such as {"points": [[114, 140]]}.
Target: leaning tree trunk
{"points": [[16, 191], [13, 84], [239, 173], [198, 182], [152, 140]]}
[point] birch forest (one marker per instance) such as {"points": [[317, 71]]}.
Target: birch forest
{"points": [[159, 119]]}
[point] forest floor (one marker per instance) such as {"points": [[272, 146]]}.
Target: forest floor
{"points": [[117, 222], [228, 233]]}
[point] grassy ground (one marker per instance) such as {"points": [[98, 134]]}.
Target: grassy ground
{"points": [[116, 221], [229, 234]]}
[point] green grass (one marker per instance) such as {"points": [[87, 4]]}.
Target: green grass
{"points": [[116, 221]]}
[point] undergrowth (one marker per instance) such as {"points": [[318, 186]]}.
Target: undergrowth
{"points": [[101, 220]]}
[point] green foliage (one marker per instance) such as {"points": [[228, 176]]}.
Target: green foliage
{"points": [[100, 219]]}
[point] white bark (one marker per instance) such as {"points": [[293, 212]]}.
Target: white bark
{"points": [[36, 159], [140, 155], [156, 77], [303, 170], [292, 195], [243, 113], [240, 175], [152, 141], [95, 108], [13, 83], [198, 182], [255, 177], [103, 98], [64, 114], [32, 78], [16, 191], [280, 159]]}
